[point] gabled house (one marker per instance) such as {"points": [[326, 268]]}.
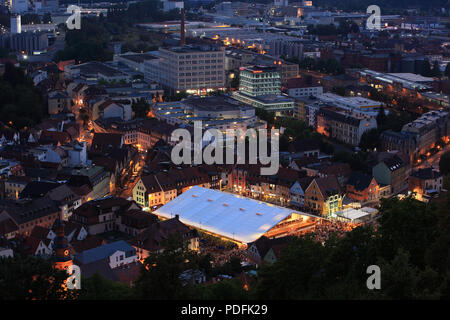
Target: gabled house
{"points": [[247, 180], [34, 246], [393, 171], [90, 242], [100, 215], [66, 200], [105, 141], [258, 249], [54, 137], [425, 182], [324, 196], [154, 238], [8, 228], [274, 253], [362, 188], [297, 191], [111, 109], [58, 102], [115, 255], [134, 221]]}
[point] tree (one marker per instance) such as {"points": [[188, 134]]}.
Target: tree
{"points": [[235, 81], [32, 278], [91, 42], [160, 275], [297, 273], [369, 140], [400, 277], [226, 289], [408, 224], [140, 108], [426, 68], [47, 18], [97, 287], [354, 28], [17, 94], [339, 90], [444, 163], [177, 96], [436, 72], [381, 118]]}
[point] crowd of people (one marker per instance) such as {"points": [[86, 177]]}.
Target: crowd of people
{"points": [[221, 252], [225, 256], [324, 228]]}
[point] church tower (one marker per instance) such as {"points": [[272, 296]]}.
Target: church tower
{"points": [[61, 247]]}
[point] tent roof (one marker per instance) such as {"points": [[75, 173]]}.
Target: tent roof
{"points": [[226, 214]]}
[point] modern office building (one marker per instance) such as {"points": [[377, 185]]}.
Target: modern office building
{"points": [[258, 81], [194, 69], [260, 86]]}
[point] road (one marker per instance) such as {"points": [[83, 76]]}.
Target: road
{"points": [[433, 161], [128, 190]]}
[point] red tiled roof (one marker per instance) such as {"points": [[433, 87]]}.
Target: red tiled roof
{"points": [[7, 226], [337, 169], [55, 137]]}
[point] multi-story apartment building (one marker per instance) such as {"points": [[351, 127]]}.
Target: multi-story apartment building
{"points": [[343, 126], [188, 68], [419, 136], [429, 128], [247, 180], [301, 87], [158, 189], [24, 214]]}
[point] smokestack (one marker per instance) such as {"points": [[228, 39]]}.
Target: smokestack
{"points": [[182, 31]]}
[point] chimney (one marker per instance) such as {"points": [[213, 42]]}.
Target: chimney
{"points": [[177, 217], [182, 29]]}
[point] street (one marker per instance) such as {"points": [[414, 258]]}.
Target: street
{"points": [[433, 161]]}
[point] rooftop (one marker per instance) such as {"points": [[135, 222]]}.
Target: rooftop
{"points": [[103, 252], [225, 214]]}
